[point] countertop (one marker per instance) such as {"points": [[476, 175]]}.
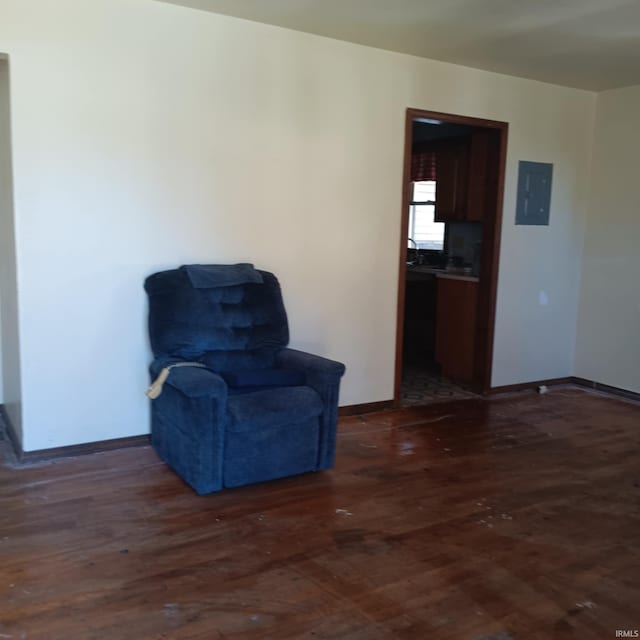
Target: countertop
{"points": [[449, 274]]}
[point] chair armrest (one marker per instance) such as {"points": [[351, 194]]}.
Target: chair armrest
{"points": [[309, 363], [193, 382], [323, 375], [187, 426]]}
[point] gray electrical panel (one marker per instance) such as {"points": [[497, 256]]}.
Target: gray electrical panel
{"points": [[534, 192]]}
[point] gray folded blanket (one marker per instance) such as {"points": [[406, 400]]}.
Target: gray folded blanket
{"points": [[205, 276]]}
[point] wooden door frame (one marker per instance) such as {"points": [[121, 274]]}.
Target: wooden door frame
{"points": [[490, 243]]}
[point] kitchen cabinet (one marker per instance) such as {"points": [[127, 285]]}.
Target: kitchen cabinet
{"points": [[456, 312], [420, 317], [452, 166], [461, 178], [478, 184]]}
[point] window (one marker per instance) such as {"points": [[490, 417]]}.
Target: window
{"points": [[426, 233]]}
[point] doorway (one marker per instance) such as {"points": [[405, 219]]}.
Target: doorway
{"points": [[10, 385], [453, 183]]}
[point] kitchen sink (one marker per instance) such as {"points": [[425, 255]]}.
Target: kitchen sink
{"points": [[424, 268]]}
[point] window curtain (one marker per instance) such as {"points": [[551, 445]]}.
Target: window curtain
{"points": [[423, 165]]}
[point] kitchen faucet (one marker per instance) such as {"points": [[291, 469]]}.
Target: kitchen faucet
{"points": [[417, 253]]}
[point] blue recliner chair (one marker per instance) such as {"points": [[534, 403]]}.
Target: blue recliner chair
{"points": [[237, 406]]}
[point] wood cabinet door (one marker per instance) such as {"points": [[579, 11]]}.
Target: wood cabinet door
{"points": [[452, 171], [456, 328], [462, 178], [476, 203]]}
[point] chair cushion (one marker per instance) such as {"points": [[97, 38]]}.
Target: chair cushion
{"points": [[216, 325], [264, 378], [239, 359], [272, 407]]}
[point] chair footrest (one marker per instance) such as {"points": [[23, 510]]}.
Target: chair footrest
{"points": [[270, 453]]}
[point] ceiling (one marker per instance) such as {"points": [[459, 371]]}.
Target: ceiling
{"points": [[589, 44]]}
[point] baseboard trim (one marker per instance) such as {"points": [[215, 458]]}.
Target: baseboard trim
{"points": [[580, 382], [43, 455], [11, 432], [605, 388], [367, 407], [525, 386]]}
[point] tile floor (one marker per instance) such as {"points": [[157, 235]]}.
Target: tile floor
{"points": [[424, 385]]}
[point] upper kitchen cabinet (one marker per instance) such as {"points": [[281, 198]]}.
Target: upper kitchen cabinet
{"points": [[452, 169], [461, 178], [478, 176]]}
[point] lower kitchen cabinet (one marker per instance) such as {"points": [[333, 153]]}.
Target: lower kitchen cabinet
{"points": [[456, 328], [419, 318]]}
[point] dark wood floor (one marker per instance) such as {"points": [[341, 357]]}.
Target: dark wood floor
{"points": [[514, 518]]}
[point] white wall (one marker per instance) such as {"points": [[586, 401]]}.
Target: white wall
{"points": [[147, 135], [1, 359], [10, 393], [608, 343], [5, 128]]}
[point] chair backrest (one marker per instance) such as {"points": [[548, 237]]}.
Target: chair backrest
{"points": [[230, 317]]}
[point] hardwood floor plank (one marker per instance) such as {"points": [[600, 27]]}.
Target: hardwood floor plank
{"points": [[511, 518]]}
